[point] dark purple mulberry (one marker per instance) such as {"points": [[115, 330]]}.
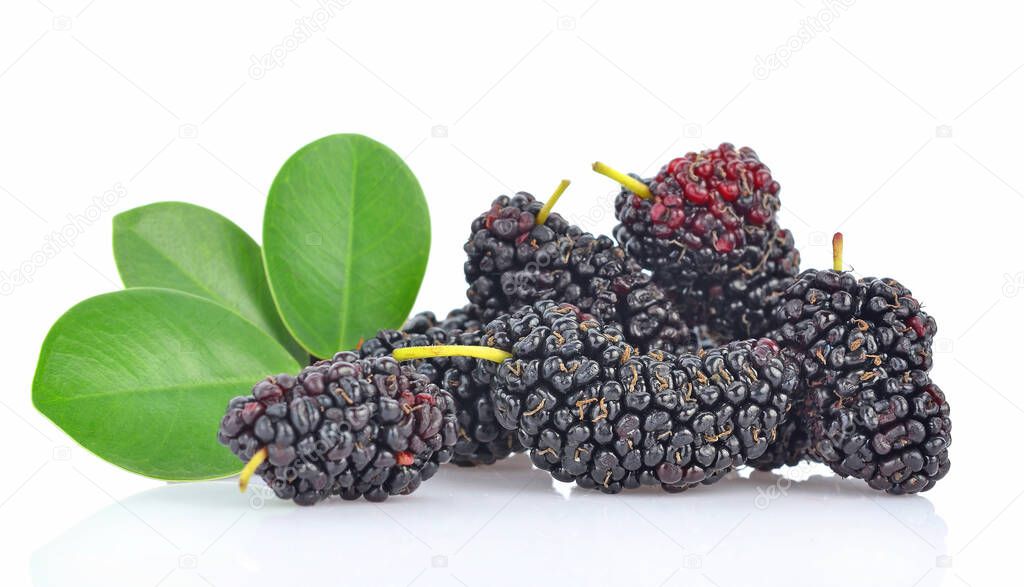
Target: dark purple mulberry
{"points": [[481, 441], [592, 409], [350, 426], [513, 261], [705, 226], [869, 409]]}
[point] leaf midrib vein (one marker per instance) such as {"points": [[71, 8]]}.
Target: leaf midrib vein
{"points": [[345, 285]]}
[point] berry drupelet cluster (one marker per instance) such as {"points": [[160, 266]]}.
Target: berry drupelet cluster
{"points": [[705, 225], [868, 408], [739, 304], [350, 426], [592, 409], [464, 319], [515, 260], [853, 330], [480, 439], [704, 214], [895, 435]]}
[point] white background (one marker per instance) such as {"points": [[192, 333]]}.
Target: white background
{"points": [[897, 123]]}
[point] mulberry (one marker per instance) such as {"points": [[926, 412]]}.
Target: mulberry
{"points": [[481, 441], [738, 304], [793, 444], [465, 319], [515, 260], [594, 410], [894, 433], [349, 427], [705, 225], [851, 332], [703, 214], [869, 409]]}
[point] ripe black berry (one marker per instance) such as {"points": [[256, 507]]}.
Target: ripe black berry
{"points": [[793, 444], [481, 441], [594, 410], [852, 331], [349, 426], [514, 261], [737, 304], [869, 409], [894, 433], [465, 319]]}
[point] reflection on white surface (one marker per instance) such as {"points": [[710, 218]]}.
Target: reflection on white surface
{"points": [[508, 525]]}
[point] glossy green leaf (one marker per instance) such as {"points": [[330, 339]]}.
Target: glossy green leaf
{"points": [[180, 246], [142, 377], [346, 235]]}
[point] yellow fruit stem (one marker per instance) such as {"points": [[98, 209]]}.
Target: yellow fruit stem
{"points": [[542, 216], [429, 352], [837, 251], [630, 183], [250, 468]]}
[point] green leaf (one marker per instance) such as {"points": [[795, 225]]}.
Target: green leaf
{"points": [[142, 377], [346, 235], [180, 246]]}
